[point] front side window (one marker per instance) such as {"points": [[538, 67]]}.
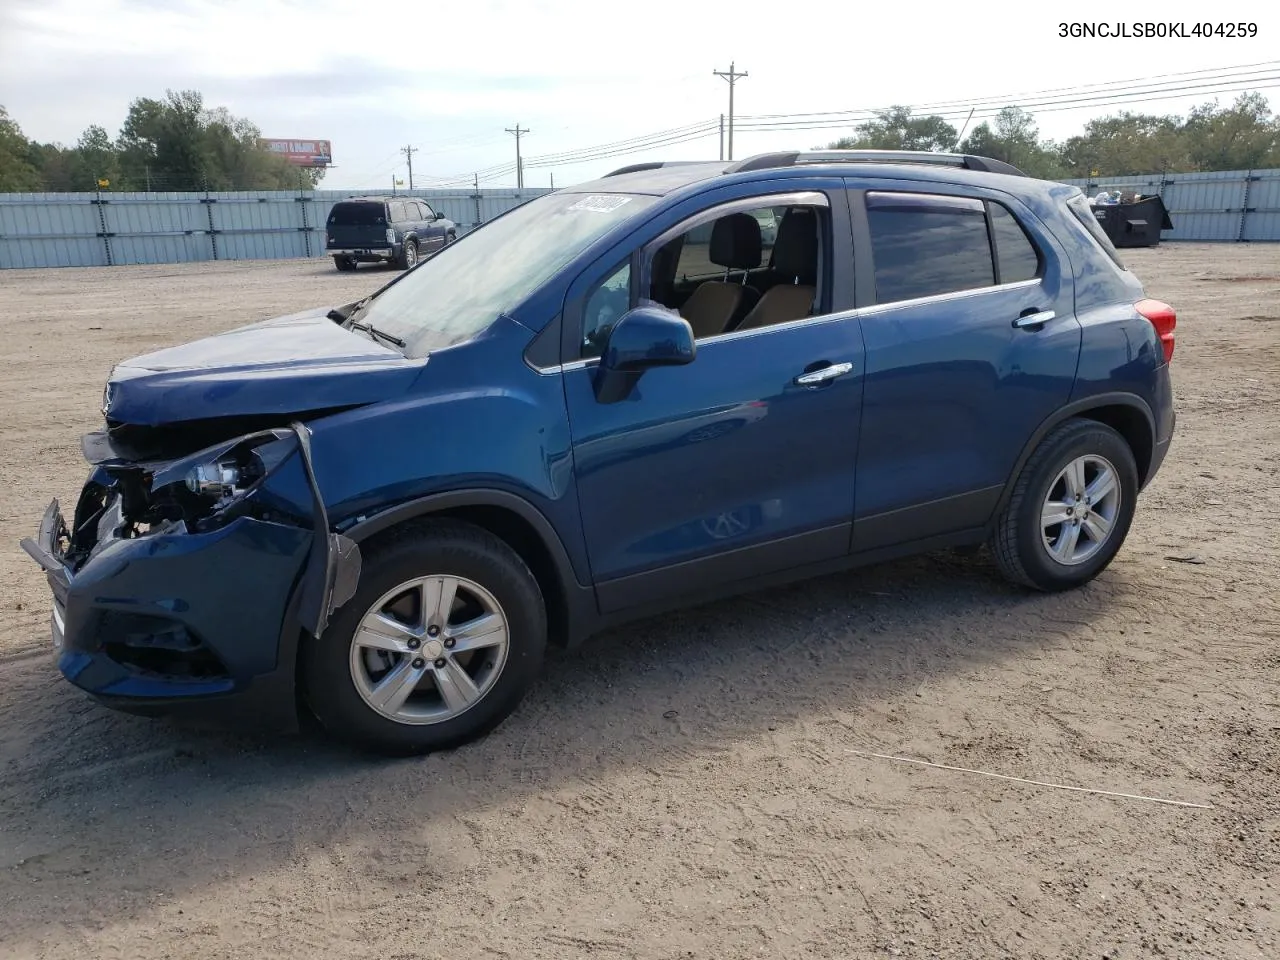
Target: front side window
{"points": [[746, 268], [462, 289], [609, 300], [926, 245], [426, 211]]}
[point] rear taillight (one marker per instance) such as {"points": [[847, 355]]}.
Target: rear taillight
{"points": [[1164, 319]]}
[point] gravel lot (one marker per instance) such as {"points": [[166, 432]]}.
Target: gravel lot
{"points": [[696, 786]]}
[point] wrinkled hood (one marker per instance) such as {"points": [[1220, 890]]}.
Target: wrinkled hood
{"points": [[289, 365]]}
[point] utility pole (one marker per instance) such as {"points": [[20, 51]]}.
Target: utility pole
{"points": [[722, 136], [553, 179], [408, 152], [519, 163], [732, 76]]}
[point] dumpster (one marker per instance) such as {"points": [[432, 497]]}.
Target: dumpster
{"points": [[1134, 223]]}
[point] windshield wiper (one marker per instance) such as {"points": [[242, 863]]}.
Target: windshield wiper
{"points": [[375, 333]]}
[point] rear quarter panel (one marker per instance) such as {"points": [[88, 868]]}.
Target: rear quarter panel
{"points": [[1120, 351]]}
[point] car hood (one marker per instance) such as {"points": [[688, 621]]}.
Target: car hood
{"points": [[289, 365]]}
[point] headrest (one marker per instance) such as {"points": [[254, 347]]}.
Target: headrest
{"points": [[795, 252], [735, 242]]}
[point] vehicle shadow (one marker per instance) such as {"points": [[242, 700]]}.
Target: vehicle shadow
{"points": [[91, 797]]}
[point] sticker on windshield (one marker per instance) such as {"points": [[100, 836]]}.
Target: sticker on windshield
{"points": [[600, 203]]}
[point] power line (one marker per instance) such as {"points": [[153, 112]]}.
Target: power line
{"points": [[732, 77], [519, 166], [1048, 106], [1220, 73], [1061, 95], [1114, 93], [601, 151]]}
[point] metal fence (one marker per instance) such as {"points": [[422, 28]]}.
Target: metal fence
{"points": [[90, 229], [107, 229], [1230, 205]]}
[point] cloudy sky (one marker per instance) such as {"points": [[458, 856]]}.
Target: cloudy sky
{"points": [[449, 77]]}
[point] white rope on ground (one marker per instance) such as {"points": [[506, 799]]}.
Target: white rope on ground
{"points": [[1038, 783]]}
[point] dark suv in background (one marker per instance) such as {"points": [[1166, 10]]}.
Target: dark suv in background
{"points": [[382, 229]]}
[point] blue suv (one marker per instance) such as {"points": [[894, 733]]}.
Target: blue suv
{"points": [[674, 383]]}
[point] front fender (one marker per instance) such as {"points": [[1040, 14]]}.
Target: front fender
{"points": [[481, 419]]}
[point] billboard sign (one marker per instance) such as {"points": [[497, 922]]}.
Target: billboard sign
{"points": [[302, 153]]}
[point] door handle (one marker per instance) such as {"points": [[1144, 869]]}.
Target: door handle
{"points": [[823, 375], [1038, 319]]}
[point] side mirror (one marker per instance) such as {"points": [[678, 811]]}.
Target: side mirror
{"points": [[640, 339]]}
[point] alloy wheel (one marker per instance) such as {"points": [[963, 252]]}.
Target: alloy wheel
{"points": [[1080, 509], [429, 649]]}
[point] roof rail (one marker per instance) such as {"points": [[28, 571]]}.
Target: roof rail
{"points": [[652, 165], [765, 161]]}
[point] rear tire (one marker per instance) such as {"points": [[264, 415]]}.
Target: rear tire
{"points": [[1071, 508], [345, 264], [493, 587]]}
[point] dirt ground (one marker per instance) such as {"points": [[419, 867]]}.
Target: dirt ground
{"points": [[697, 785]]}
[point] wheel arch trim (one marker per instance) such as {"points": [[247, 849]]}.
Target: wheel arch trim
{"points": [[577, 600], [1076, 408]]}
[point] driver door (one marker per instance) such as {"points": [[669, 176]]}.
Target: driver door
{"points": [[732, 466]]}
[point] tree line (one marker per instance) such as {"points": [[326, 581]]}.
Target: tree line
{"points": [[175, 143], [1242, 136]]}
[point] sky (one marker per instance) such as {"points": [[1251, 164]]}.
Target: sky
{"points": [[449, 78]]}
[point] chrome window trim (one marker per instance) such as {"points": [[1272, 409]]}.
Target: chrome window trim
{"points": [[856, 313], [794, 198]]}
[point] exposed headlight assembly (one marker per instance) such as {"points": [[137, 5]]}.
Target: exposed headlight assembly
{"points": [[223, 475]]}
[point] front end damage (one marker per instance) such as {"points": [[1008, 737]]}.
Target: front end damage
{"points": [[184, 581]]}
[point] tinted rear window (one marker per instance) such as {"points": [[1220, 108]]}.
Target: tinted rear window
{"points": [[928, 245], [1079, 206], [357, 214], [1015, 254]]}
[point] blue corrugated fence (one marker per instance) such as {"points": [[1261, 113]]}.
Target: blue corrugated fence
{"points": [[106, 229], [88, 229]]}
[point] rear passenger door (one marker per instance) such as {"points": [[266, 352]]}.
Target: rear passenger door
{"points": [[971, 342]]}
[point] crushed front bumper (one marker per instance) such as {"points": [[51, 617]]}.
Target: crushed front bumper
{"points": [[198, 623]]}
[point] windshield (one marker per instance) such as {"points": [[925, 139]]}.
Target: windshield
{"points": [[460, 291]]}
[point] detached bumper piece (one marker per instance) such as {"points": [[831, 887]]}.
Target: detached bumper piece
{"points": [[197, 619]]}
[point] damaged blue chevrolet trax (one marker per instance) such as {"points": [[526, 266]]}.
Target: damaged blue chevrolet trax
{"points": [[677, 382]]}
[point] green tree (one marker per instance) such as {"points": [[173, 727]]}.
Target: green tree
{"points": [[1243, 136], [896, 129], [178, 144], [1126, 144], [94, 158], [17, 173], [1014, 138], [162, 142]]}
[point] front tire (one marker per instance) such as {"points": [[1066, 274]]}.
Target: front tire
{"points": [[444, 635], [1071, 508]]}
